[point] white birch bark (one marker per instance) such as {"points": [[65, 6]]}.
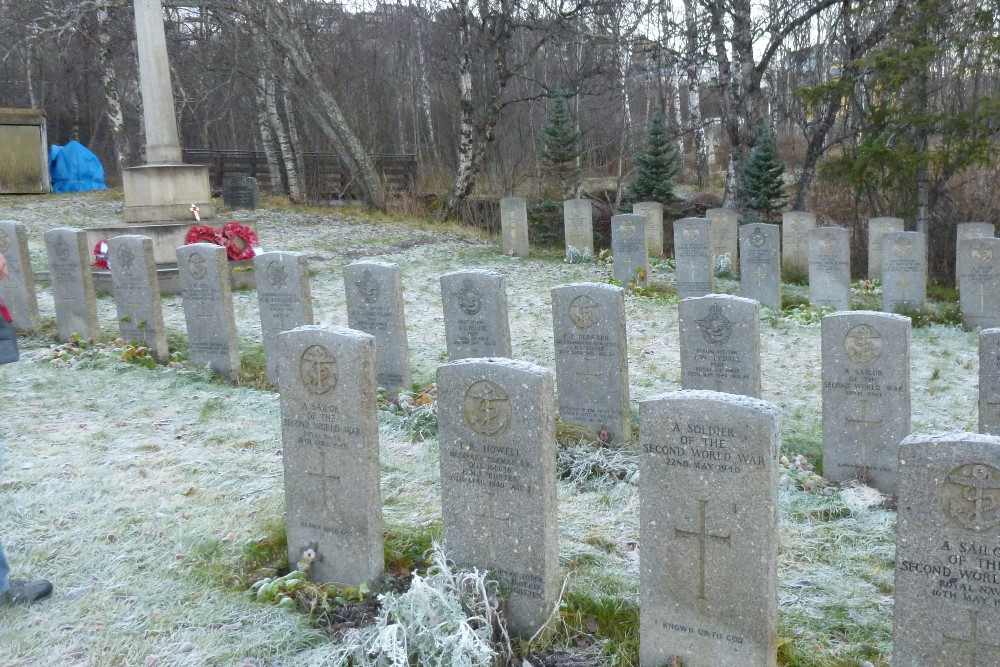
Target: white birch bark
{"points": [[293, 131], [313, 94], [278, 127], [109, 79], [695, 122], [267, 136], [425, 92]]}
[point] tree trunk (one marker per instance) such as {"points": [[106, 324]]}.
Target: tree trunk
{"points": [[293, 131], [287, 157], [312, 92], [694, 92], [470, 148], [425, 92], [267, 135], [476, 130]]}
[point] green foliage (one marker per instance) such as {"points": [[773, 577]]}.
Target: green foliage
{"points": [[931, 313], [253, 369], [545, 224], [914, 118], [294, 590], [579, 256], [763, 189], [655, 166], [724, 267], [416, 411], [406, 548], [612, 620], [795, 274], [560, 146], [448, 617], [78, 353]]}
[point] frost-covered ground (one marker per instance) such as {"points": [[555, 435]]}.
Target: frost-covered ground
{"points": [[118, 480]]}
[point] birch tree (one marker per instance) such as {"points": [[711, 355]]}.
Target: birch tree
{"points": [[735, 29]]}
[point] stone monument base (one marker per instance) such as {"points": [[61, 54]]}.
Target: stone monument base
{"points": [[163, 192], [241, 277], [167, 236]]}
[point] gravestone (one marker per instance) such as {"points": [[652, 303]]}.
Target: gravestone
{"points": [[240, 192], [18, 288], [137, 293], [498, 495], [969, 230], [989, 381], [475, 314], [866, 396], [725, 224], [708, 525], [695, 271], [760, 264], [979, 276], [830, 268], [946, 609], [329, 438], [877, 228], [72, 284], [591, 347], [720, 344], [904, 270], [578, 225], [628, 247], [514, 226], [283, 298], [207, 295], [653, 212], [795, 226], [375, 305]]}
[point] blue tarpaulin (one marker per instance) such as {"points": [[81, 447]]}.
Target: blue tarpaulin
{"points": [[75, 169]]}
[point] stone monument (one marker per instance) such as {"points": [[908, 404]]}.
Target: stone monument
{"points": [[329, 435], [159, 194], [877, 228], [946, 608], [653, 212], [72, 283], [498, 479], [708, 525], [866, 396], [588, 322]]}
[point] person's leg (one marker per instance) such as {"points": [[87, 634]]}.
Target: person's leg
{"points": [[4, 568], [18, 591]]}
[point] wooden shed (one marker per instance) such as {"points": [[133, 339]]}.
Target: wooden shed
{"points": [[24, 152]]}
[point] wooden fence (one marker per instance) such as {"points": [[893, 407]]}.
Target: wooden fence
{"points": [[324, 177]]}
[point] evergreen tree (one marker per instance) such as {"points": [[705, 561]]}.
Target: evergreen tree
{"points": [[655, 166], [560, 146], [763, 190]]}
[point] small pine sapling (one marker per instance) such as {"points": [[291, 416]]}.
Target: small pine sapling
{"points": [[560, 147], [763, 189], [655, 166]]}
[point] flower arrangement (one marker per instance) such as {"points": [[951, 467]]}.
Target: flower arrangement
{"points": [[240, 241]]}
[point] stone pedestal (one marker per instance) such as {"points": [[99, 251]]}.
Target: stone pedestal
{"points": [[167, 236], [162, 192]]}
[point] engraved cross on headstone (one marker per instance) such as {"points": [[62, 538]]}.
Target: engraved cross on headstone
{"points": [[759, 275], [330, 484], [982, 299], [489, 513], [862, 425], [588, 378], [702, 536], [972, 647]]}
